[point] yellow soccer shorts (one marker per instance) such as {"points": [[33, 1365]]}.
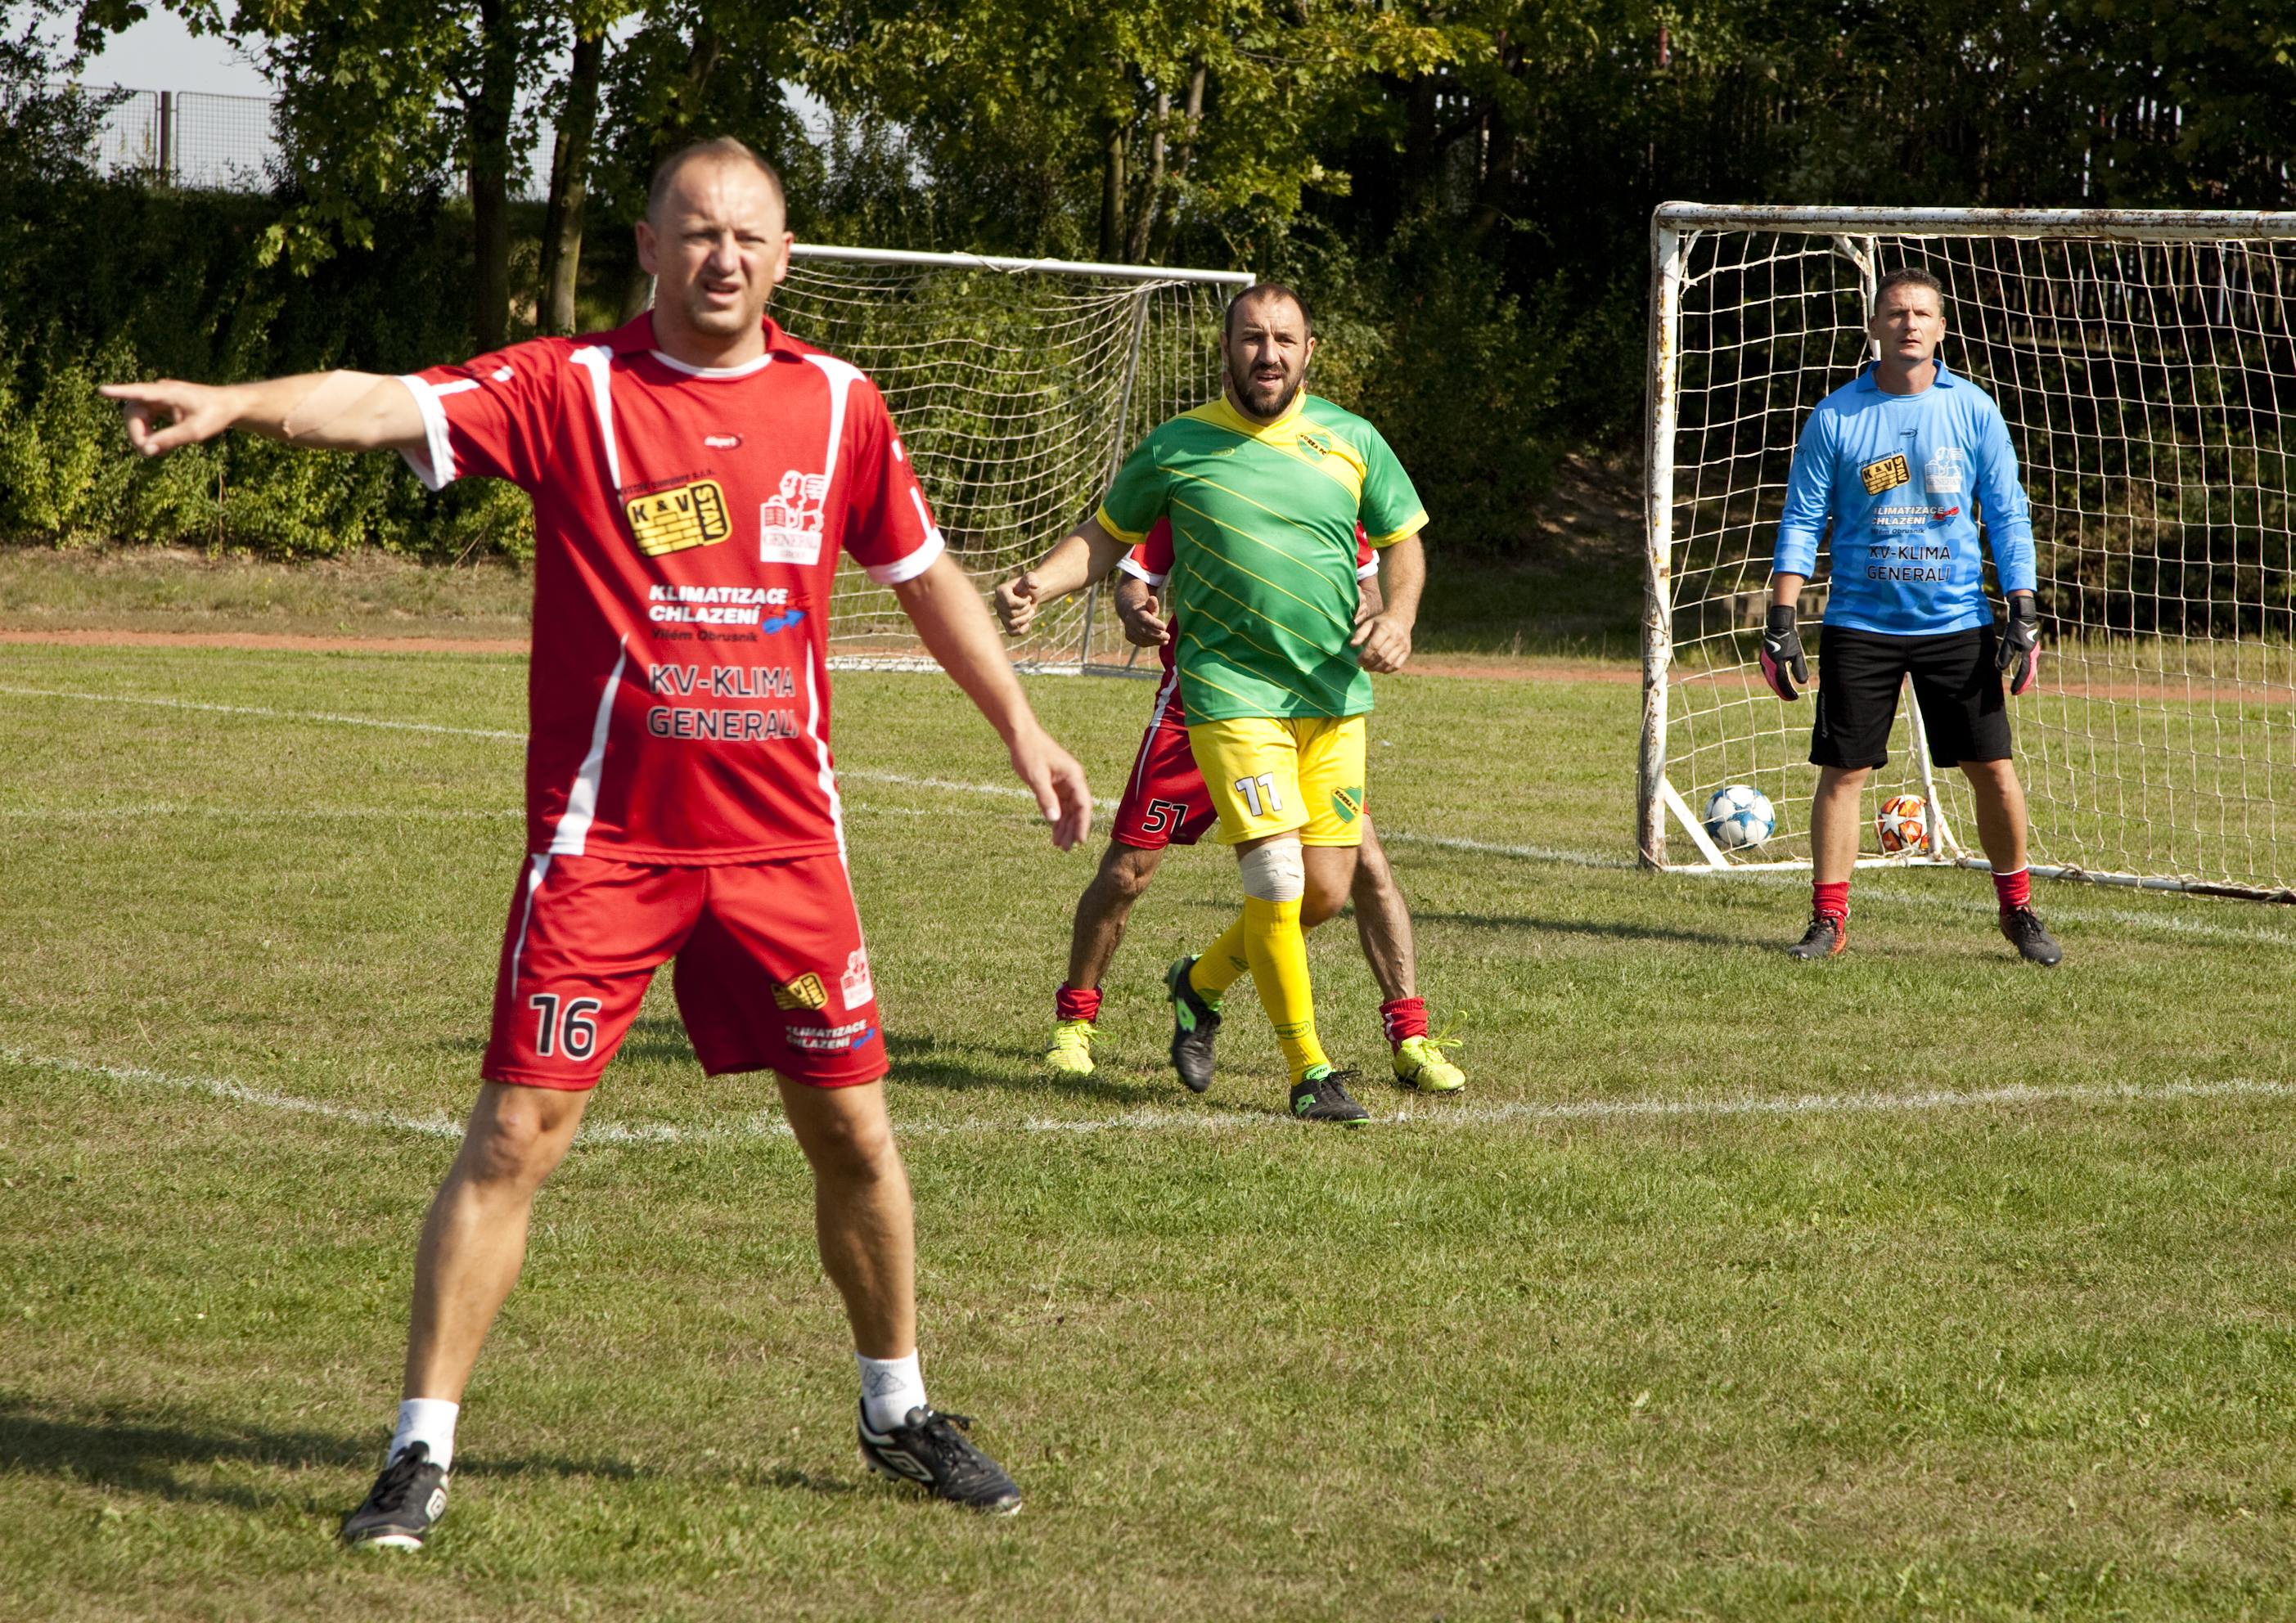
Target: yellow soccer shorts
{"points": [[1272, 774]]}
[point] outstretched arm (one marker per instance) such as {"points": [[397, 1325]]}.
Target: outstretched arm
{"points": [[336, 411], [945, 609], [1079, 558]]}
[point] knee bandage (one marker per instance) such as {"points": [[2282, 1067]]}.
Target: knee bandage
{"points": [[1275, 872]]}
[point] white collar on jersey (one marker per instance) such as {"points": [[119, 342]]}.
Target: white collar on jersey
{"points": [[715, 373]]}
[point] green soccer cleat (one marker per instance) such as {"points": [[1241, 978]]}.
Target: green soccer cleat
{"points": [[1420, 1064], [1070, 1053], [1322, 1096]]}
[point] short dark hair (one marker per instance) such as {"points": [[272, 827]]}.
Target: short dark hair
{"points": [[723, 148], [1909, 275], [1264, 289]]}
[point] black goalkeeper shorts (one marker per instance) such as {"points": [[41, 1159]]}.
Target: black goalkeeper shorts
{"points": [[1956, 683]]}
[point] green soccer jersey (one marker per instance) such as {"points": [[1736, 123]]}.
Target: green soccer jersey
{"points": [[1263, 581]]}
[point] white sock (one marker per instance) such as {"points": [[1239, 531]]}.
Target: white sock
{"points": [[889, 1389], [426, 1420]]}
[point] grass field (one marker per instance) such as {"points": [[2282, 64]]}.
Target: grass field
{"points": [[1918, 1285]]}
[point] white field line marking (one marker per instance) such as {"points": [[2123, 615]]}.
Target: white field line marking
{"points": [[2200, 928], [257, 710], [765, 1125], [164, 811]]}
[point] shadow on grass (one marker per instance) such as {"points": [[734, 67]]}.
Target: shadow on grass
{"points": [[1608, 929], [957, 1066], [961, 1066], [138, 1451]]}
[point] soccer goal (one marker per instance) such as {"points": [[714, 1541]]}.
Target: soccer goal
{"points": [[1018, 385], [2146, 366]]}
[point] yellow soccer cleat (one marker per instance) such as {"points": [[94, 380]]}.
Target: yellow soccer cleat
{"points": [[1070, 1053], [1420, 1064]]}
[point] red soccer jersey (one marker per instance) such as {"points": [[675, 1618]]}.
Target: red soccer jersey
{"points": [[1151, 560], [687, 526]]}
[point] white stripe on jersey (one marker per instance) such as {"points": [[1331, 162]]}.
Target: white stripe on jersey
{"points": [[842, 376], [573, 828], [600, 362], [918, 562], [436, 467], [815, 678]]}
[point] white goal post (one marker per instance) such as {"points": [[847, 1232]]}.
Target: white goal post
{"points": [[2146, 363], [1018, 386]]}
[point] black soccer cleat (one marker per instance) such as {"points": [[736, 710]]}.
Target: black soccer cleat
{"points": [[931, 1449], [2029, 936], [403, 1507], [1824, 939], [1195, 1021], [1322, 1096]]}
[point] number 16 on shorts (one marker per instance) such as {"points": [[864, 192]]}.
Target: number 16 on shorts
{"points": [[564, 1025]]}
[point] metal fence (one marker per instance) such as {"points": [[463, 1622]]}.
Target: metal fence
{"points": [[188, 138], [205, 142]]}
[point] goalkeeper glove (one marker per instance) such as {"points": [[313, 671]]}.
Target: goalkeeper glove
{"points": [[2020, 643], [1782, 664]]}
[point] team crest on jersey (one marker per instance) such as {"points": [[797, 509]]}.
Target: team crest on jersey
{"points": [[790, 522], [1942, 473], [806, 992], [1887, 474], [1347, 803], [856, 983], [1320, 444], [682, 516]]}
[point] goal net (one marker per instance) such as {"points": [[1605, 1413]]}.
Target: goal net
{"points": [[1018, 386], [2145, 364]]}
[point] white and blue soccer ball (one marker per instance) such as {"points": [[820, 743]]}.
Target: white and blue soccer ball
{"points": [[1738, 815]]}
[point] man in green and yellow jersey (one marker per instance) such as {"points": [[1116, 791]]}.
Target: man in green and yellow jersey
{"points": [[1264, 488]]}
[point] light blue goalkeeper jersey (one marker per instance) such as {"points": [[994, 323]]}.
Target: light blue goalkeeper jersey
{"points": [[1904, 480]]}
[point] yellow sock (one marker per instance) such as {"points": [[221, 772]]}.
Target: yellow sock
{"points": [[1278, 950], [1225, 961]]}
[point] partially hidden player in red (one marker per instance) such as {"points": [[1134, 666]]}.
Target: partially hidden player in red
{"points": [[1165, 803], [695, 475]]}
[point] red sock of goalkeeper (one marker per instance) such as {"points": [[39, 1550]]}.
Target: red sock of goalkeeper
{"points": [[1831, 901], [2015, 890]]}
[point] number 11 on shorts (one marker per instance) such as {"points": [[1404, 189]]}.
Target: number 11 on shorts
{"points": [[1259, 794]]}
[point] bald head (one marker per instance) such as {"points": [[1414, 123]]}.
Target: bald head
{"points": [[722, 151]]}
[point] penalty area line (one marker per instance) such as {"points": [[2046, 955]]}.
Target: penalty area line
{"points": [[766, 1125]]}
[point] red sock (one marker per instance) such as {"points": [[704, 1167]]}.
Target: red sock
{"points": [[1831, 901], [1069, 1004], [1403, 1017], [2015, 890]]}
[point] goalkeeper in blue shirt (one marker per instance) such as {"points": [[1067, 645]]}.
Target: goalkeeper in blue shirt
{"points": [[1902, 461]]}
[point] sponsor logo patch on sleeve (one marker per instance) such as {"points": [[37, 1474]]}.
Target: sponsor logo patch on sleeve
{"points": [[1886, 474]]}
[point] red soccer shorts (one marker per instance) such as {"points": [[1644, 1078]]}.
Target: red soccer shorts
{"points": [[771, 974], [1165, 800]]}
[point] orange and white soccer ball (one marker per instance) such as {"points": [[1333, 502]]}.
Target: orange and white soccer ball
{"points": [[1903, 824]]}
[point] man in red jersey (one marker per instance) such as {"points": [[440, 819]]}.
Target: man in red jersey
{"points": [[695, 475]]}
